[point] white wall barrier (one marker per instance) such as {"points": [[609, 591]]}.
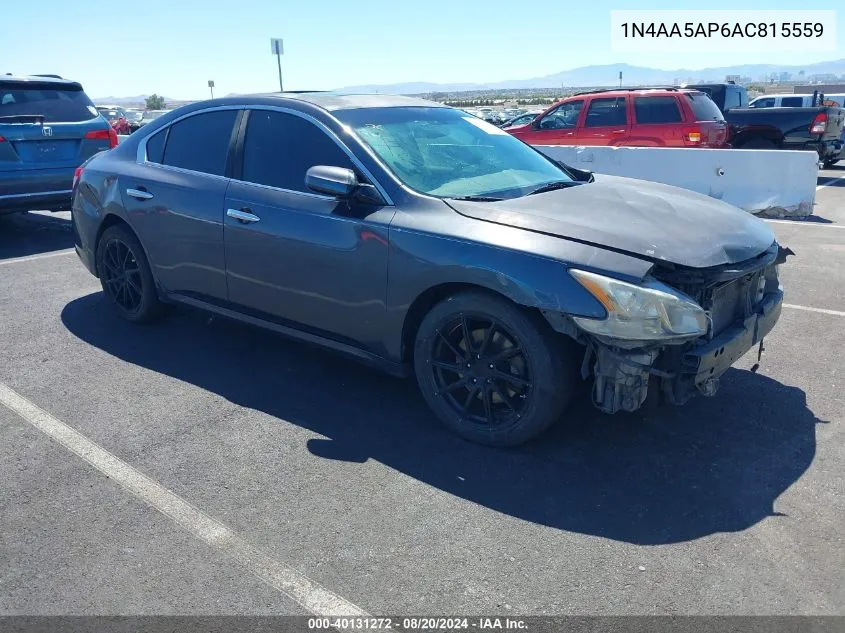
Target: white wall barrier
{"points": [[775, 183]]}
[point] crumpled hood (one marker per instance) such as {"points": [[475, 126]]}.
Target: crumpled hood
{"points": [[643, 218]]}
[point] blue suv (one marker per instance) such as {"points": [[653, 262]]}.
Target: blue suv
{"points": [[48, 128]]}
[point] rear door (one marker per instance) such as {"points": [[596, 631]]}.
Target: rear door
{"points": [[175, 197], [46, 131], [657, 122], [606, 122]]}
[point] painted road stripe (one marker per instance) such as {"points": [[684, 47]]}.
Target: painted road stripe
{"points": [[292, 583], [829, 182], [809, 309], [807, 223], [29, 258]]}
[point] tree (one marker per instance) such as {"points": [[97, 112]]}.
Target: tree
{"points": [[155, 102]]}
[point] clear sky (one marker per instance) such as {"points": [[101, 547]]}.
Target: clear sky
{"points": [[173, 47]]}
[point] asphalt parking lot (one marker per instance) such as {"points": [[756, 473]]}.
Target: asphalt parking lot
{"points": [[334, 482]]}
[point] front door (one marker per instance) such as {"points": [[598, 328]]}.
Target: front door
{"points": [[297, 257], [555, 127], [606, 122]]}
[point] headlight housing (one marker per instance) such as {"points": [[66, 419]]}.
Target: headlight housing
{"points": [[651, 311]]}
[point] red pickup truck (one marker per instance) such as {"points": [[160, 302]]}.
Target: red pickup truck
{"points": [[665, 117]]}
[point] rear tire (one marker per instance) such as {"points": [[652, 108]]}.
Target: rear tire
{"points": [[830, 163], [126, 277], [491, 372]]}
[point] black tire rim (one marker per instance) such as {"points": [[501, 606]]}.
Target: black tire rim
{"points": [[122, 275], [481, 371]]}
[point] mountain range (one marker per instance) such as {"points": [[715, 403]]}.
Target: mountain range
{"points": [[604, 75], [608, 75]]}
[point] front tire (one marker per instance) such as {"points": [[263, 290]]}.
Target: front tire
{"points": [[126, 277], [491, 372]]}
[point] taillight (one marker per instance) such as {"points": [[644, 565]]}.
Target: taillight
{"points": [[76, 174], [692, 136], [819, 124], [106, 135]]}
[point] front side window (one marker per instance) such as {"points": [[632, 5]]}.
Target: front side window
{"points": [[657, 110], [279, 148], [446, 153], [201, 142], [562, 117], [606, 111]]}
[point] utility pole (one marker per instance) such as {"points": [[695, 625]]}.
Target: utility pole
{"points": [[278, 49]]}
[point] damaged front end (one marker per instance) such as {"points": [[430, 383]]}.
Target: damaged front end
{"points": [[678, 332]]}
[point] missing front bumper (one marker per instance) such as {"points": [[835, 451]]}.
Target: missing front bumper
{"points": [[626, 379]]}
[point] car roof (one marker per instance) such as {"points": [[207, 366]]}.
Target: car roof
{"points": [[780, 95], [332, 101], [621, 92], [40, 79]]}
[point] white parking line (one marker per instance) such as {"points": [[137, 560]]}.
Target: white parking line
{"points": [[819, 310], [29, 258], [294, 584], [830, 182], [806, 223]]}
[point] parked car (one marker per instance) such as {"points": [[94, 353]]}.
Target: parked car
{"points": [[343, 221], [782, 101], [668, 117], [804, 126], [133, 117], [522, 119], [48, 127], [116, 118], [150, 115]]}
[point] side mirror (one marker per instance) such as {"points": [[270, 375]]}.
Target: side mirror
{"points": [[332, 181]]}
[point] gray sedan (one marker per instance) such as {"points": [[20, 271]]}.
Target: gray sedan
{"points": [[427, 242]]}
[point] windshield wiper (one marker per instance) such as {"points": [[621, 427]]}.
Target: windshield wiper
{"points": [[562, 184], [24, 118], [479, 198]]}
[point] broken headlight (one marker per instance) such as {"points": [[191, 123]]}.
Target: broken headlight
{"points": [[647, 312]]}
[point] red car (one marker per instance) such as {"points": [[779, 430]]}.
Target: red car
{"points": [[667, 117], [116, 118]]}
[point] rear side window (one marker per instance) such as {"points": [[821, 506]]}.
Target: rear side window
{"points": [[608, 111], [792, 102], [704, 108], [769, 102], [55, 104], [201, 142], [155, 146], [657, 110], [279, 148]]}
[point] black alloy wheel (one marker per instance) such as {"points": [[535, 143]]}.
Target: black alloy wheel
{"points": [[480, 370], [121, 275], [493, 372], [125, 275]]}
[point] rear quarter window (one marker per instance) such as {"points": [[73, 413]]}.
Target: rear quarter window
{"points": [[200, 142], [704, 108], [656, 110], [57, 104]]}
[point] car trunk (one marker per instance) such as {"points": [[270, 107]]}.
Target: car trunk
{"points": [[47, 126]]}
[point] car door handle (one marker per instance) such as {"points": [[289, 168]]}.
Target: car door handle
{"points": [[244, 216], [618, 132], [139, 194]]}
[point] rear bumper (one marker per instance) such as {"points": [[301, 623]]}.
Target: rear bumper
{"points": [[41, 201]]}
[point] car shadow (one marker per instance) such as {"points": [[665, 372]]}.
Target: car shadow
{"points": [[23, 234], [665, 476]]}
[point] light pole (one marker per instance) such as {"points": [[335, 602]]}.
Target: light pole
{"points": [[211, 87]]}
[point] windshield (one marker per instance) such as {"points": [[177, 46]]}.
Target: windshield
{"points": [[448, 153], [56, 104]]}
